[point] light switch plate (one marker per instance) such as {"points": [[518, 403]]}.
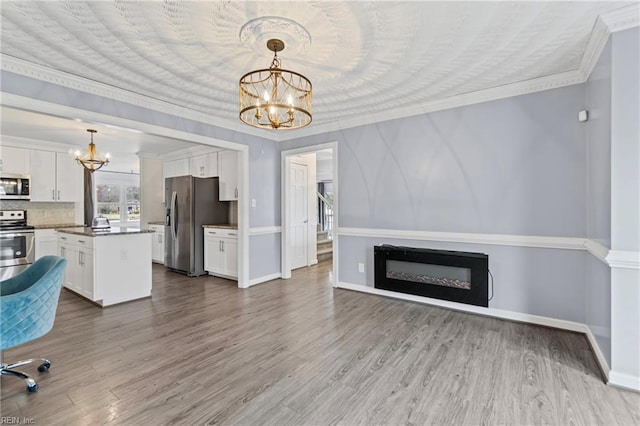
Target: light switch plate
{"points": [[360, 267], [253, 202]]}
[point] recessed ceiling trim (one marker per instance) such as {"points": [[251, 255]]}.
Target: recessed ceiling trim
{"points": [[617, 20]]}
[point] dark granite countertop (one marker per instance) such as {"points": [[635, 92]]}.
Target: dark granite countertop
{"points": [[59, 225], [114, 230], [222, 226]]}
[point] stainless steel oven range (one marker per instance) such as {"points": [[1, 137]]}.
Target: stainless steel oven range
{"points": [[17, 243]]}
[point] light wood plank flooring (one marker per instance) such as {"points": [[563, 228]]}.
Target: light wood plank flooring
{"points": [[202, 351]]}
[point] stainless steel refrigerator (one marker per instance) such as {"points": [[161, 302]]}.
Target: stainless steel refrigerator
{"points": [[190, 203]]}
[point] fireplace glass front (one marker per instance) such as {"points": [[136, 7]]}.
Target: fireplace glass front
{"points": [[449, 275]]}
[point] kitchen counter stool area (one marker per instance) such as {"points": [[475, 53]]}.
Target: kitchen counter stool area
{"points": [[107, 267]]}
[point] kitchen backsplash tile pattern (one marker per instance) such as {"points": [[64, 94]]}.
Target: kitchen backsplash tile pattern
{"points": [[42, 213]]}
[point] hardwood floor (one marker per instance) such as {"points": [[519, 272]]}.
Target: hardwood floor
{"points": [[202, 351]]}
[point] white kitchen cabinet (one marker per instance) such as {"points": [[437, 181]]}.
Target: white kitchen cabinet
{"points": [[46, 242], [14, 160], [55, 177], [78, 276], [157, 243], [228, 172], [86, 266], [174, 168], [69, 179], [205, 165], [221, 252], [178, 167]]}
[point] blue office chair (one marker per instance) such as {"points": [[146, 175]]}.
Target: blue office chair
{"points": [[28, 303]]}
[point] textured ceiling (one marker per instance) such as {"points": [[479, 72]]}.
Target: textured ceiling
{"points": [[363, 58]]}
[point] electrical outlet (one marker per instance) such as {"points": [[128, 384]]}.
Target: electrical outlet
{"points": [[360, 267], [253, 202]]}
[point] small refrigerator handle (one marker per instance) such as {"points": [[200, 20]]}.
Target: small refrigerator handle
{"points": [[174, 208]]}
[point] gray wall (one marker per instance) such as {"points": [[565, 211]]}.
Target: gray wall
{"points": [[598, 277], [264, 252], [511, 166], [625, 207], [625, 137]]}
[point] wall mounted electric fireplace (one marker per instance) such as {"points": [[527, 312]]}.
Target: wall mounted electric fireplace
{"points": [[449, 275]]}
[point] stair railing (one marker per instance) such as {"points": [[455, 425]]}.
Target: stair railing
{"points": [[325, 215]]}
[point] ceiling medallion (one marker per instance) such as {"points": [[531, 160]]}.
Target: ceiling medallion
{"points": [[256, 32], [274, 98], [91, 160]]}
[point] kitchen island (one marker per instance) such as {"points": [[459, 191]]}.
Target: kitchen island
{"points": [[107, 266]]}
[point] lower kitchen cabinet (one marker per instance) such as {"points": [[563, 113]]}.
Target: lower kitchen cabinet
{"points": [[221, 252], [46, 243], [78, 276], [157, 243]]}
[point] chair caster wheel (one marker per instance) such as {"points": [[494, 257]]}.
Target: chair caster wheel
{"points": [[44, 367], [32, 386]]}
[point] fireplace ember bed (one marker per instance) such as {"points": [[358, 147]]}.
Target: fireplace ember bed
{"points": [[448, 275]]}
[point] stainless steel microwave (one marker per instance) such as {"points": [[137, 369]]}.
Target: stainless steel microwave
{"points": [[15, 187]]}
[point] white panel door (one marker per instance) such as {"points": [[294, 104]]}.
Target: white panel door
{"points": [[298, 213]]}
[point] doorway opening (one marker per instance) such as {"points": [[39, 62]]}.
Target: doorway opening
{"points": [[310, 208]]}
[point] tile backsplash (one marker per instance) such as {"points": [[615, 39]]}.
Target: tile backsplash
{"points": [[43, 213]]}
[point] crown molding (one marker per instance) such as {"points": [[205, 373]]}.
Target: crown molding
{"points": [[39, 72], [622, 19], [618, 20]]}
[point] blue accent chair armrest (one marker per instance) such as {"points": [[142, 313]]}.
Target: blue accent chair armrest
{"points": [[28, 303]]}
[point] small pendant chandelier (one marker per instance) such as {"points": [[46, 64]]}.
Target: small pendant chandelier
{"points": [[274, 98], [91, 160]]}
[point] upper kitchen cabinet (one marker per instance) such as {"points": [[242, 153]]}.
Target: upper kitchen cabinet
{"points": [[55, 177], [205, 165], [176, 168], [228, 172], [14, 160]]}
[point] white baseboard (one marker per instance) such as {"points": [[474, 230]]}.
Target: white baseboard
{"points": [[604, 365], [600, 331], [625, 381], [491, 312], [264, 279]]}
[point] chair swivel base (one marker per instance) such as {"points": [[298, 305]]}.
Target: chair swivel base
{"points": [[32, 385]]}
